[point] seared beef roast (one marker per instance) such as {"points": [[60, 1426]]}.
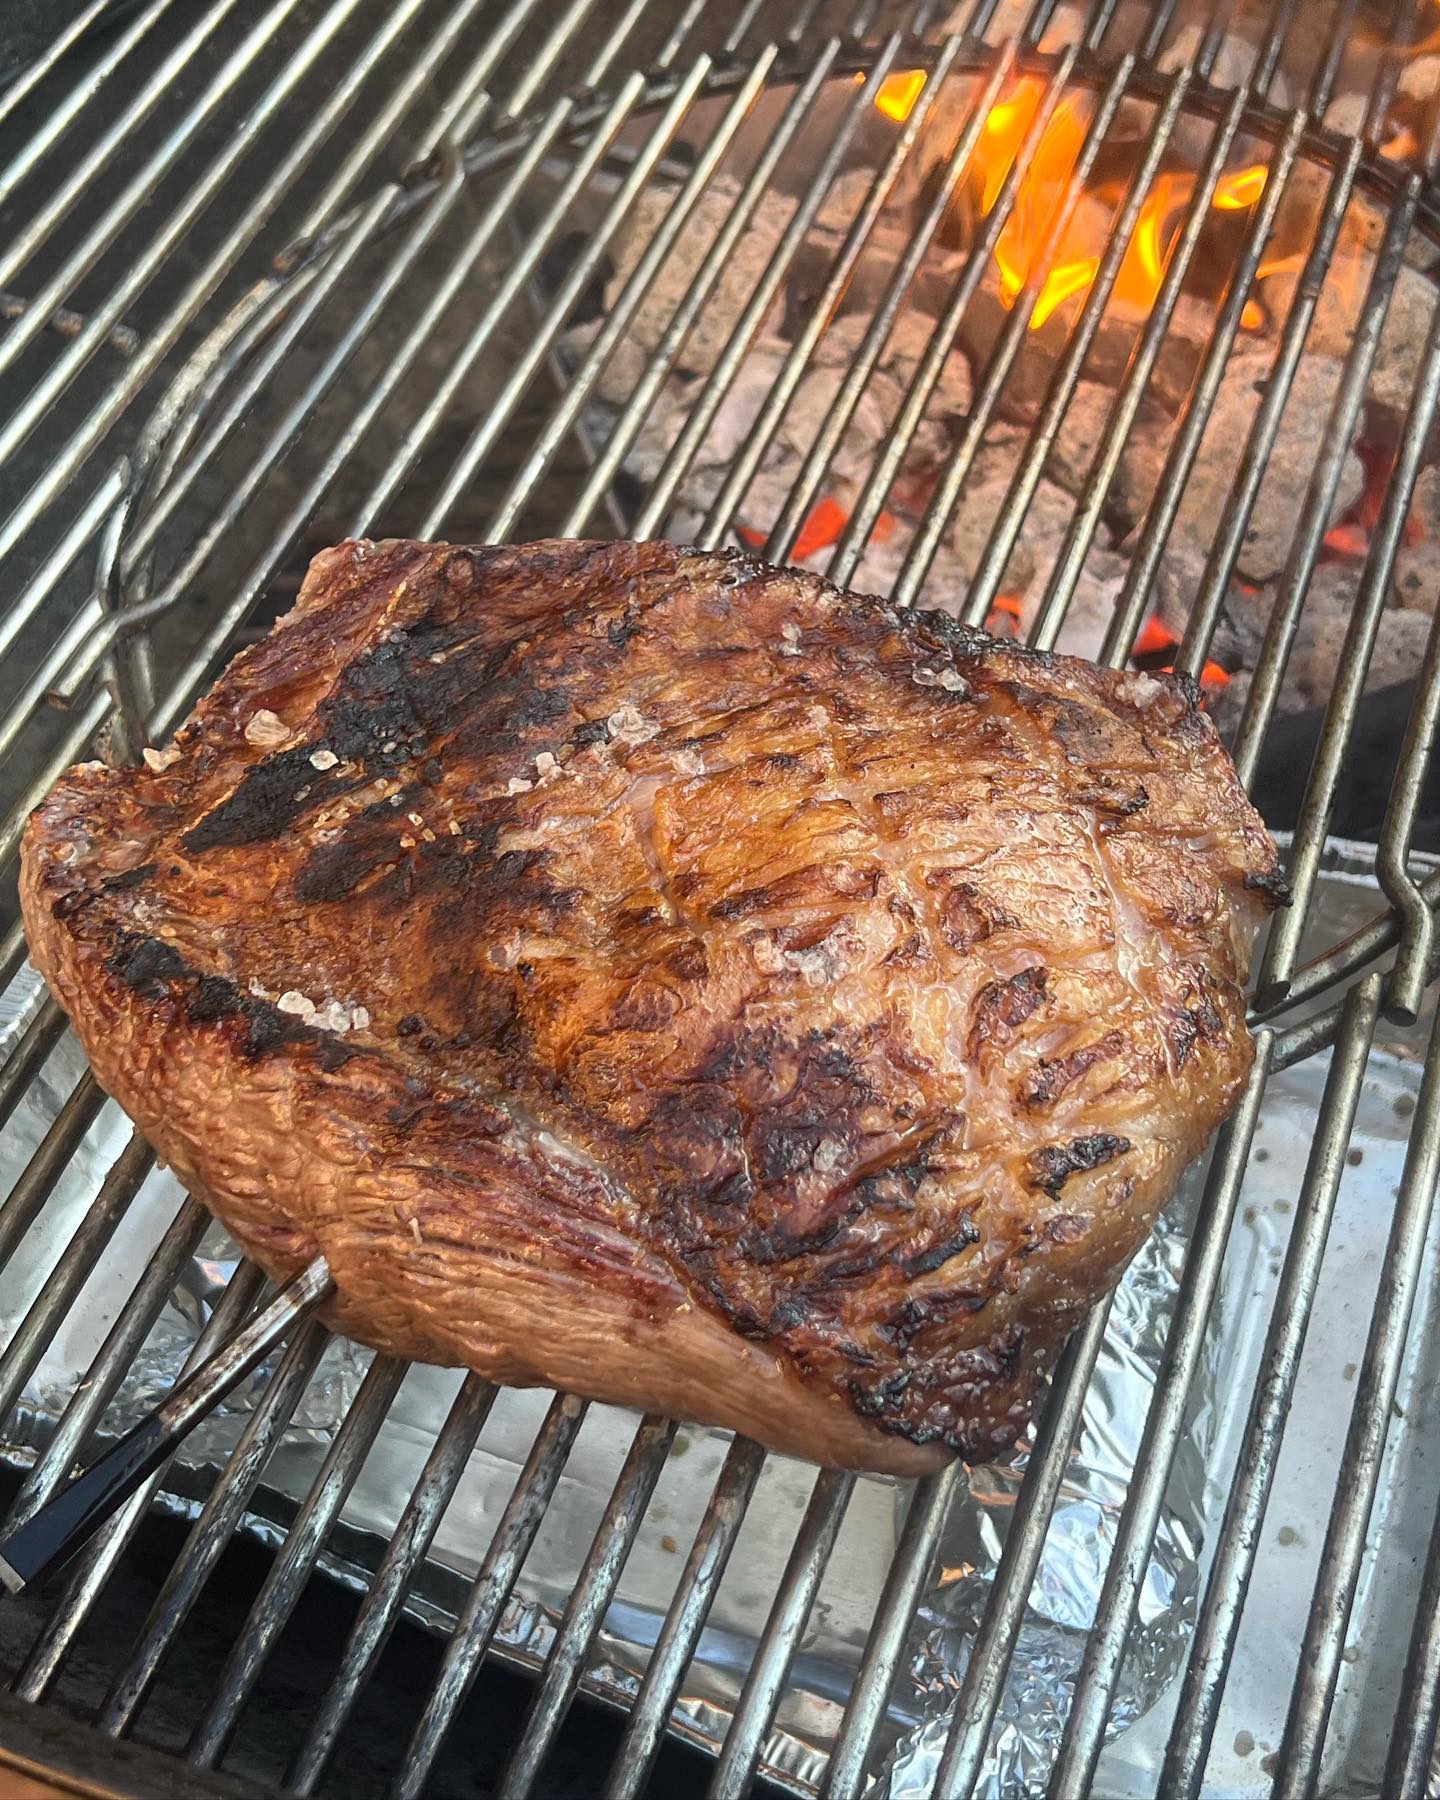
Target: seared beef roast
{"points": [[666, 977]]}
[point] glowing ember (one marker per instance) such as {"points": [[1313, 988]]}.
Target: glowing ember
{"points": [[1402, 147], [821, 529], [823, 525], [1004, 616], [898, 93], [1155, 638], [1348, 538]]}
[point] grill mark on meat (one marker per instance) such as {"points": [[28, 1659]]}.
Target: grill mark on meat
{"points": [[154, 970], [1051, 1076], [1002, 1007], [967, 915], [939, 1254], [1050, 1168]]}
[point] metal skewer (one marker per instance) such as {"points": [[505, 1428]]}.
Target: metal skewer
{"points": [[59, 1529]]}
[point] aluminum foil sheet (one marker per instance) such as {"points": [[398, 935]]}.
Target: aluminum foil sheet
{"points": [[1077, 1549]]}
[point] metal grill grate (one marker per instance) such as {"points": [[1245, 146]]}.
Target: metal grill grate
{"points": [[288, 274]]}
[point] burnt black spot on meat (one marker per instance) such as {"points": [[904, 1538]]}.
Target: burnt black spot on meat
{"points": [[940, 631], [1002, 1007], [1050, 1168], [1196, 1020], [695, 1145], [214, 998], [146, 964], [1112, 800], [895, 1185], [335, 869], [618, 632], [944, 1397], [1273, 886]]}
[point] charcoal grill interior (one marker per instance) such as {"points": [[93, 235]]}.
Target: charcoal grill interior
{"points": [[275, 274]]}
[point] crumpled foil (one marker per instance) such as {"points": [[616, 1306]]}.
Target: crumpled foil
{"points": [[913, 1732]]}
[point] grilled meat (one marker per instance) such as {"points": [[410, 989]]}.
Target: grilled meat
{"points": [[666, 977]]}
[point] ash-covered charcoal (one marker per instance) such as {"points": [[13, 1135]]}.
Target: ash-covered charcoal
{"points": [[1190, 331], [1271, 528], [1244, 612], [1329, 607], [1233, 62], [624, 368], [1402, 344], [842, 203], [1082, 430], [1417, 577], [901, 355], [739, 274], [1047, 518], [946, 587], [1417, 568], [1091, 606]]}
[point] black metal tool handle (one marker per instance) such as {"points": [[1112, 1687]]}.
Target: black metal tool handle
{"points": [[66, 1521]]}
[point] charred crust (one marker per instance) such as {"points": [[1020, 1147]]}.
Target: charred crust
{"points": [[1270, 884], [1050, 1168], [938, 631], [155, 970], [146, 964], [264, 805], [967, 915], [939, 1254], [1197, 1020]]}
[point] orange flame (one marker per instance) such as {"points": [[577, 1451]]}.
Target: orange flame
{"points": [[897, 94], [1005, 126], [1040, 195], [1237, 193], [1042, 190]]}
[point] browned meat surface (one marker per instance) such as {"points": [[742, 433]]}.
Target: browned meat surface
{"points": [[663, 976]]}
